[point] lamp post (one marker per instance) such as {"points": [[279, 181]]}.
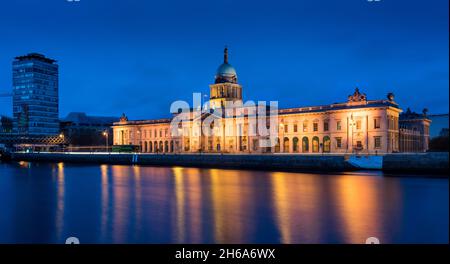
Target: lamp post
{"points": [[61, 136], [106, 135]]}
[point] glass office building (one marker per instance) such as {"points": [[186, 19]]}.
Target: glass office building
{"points": [[35, 95]]}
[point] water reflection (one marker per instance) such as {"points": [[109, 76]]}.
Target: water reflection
{"points": [[359, 209], [60, 188], [295, 202], [105, 200], [180, 204], [233, 205], [133, 204]]}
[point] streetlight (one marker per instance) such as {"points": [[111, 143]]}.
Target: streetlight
{"points": [[61, 136], [105, 134]]}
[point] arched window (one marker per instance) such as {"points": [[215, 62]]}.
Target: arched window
{"points": [[155, 146], [326, 144], [166, 146], [277, 145], [295, 144], [286, 144], [305, 144], [150, 147], [187, 144], [145, 147], [315, 144], [161, 146], [171, 146]]}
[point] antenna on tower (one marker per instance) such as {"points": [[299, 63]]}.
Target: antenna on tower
{"points": [[225, 54]]}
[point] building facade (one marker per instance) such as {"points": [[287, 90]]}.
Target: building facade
{"points": [[35, 95], [85, 130], [414, 131], [357, 125], [6, 124]]}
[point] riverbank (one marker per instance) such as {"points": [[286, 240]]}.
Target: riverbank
{"points": [[259, 162], [431, 162], [417, 163]]}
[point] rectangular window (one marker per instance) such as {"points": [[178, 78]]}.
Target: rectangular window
{"points": [[338, 125], [295, 128], [305, 127], [286, 128], [377, 142], [358, 124], [325, 126], [376, 123], [315, 127], [338, 142]]}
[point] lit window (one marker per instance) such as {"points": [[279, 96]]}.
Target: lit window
{"points": [[305, 126], [358, 124], [315, 126], [338, 125], [376, 122], [325, 126], [377, 142], [338, 142], [295, 128]]}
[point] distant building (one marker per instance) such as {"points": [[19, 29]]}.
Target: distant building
{"points": [[83, 130], [440, 125], [414, 131], [6, 124], [35, 95]]}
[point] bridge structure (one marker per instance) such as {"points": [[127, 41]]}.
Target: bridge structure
{"points": [[11, 139]]}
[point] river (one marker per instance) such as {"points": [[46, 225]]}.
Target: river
{"points": [[48, 202]]}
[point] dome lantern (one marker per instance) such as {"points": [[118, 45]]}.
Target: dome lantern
{"points": [[226, 73]]}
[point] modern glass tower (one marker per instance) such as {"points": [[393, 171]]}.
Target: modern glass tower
{"points": [[35, 95]]}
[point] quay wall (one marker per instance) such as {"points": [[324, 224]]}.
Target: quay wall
{"points": [[431, 162], [262, 162]]}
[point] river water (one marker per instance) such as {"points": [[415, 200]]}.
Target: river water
{"points": [[46, 203]]}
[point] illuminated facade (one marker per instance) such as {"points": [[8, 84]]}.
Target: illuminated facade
{"points": [[358, 125]]}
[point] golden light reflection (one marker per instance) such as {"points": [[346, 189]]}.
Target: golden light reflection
{"points": [[180, 204], [105, 198], [24, 164], [295, 198], [137, 198], [60, 186], [280, 197], [233, 202], [194, 190], [121, 209], [359, 206]]}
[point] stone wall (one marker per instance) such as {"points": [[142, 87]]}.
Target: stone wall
{"points": [[432, 162], [263, 162]]}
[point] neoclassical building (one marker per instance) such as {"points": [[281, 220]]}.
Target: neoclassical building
{"points": [[357, 125]]}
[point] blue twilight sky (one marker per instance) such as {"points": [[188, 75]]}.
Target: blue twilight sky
{"points": [[137, 56]]}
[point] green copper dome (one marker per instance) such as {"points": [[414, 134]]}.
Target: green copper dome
{"points": [[226, 70], [226, 73]]}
